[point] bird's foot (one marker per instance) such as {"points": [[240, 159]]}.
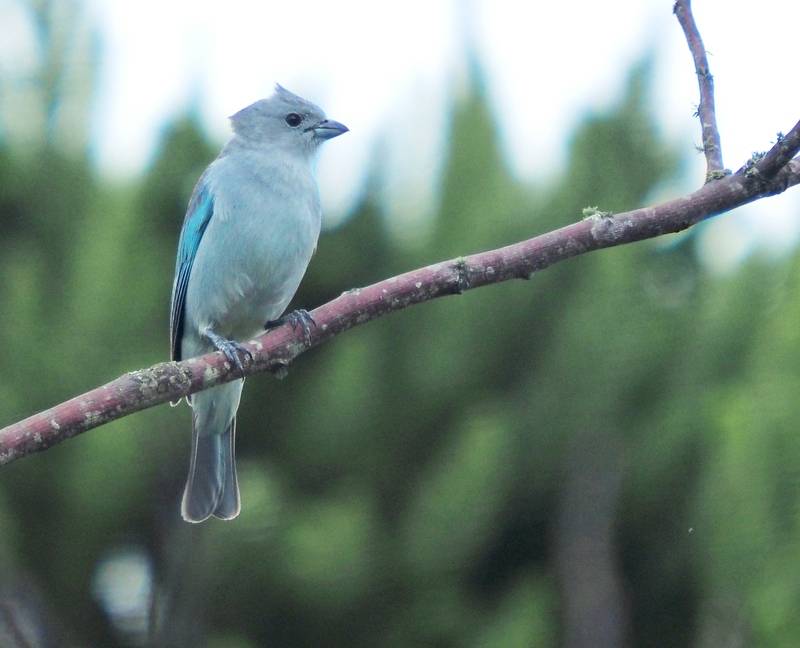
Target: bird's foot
{"points": [[297, 319], [233, 351]]}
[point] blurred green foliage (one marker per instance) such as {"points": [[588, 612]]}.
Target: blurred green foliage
{"points": [[604, 455]]}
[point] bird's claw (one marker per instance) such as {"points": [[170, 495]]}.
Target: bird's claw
{"points": [[297, 319], [232, 350]]}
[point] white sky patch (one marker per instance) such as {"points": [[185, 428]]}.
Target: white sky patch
{"points": [[387, 71], [18, 36], [548, 64]]}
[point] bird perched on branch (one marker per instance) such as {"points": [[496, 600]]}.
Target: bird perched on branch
{"points": [[248, 235]]}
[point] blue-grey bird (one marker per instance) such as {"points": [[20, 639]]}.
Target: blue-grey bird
{"points": [[250, 230]]}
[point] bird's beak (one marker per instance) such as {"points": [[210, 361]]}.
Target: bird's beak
{"points": [[328, 129]]}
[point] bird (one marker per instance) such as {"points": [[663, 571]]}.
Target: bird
{"points": [[250, 230]]}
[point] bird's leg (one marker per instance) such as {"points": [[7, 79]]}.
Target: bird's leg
{"points": [[297, 319], [232, 350]]}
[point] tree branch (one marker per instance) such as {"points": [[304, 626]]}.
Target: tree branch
{"points": [[273, 351], [786, 147], [706, 110], [762, 176]]}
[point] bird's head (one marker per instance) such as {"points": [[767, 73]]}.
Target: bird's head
{"points": [[286, 121]]}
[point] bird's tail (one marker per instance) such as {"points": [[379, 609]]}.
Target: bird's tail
{"points": [[212, 487]]}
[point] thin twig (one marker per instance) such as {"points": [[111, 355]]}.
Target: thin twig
{"points": [[706, 110], [786, 147], [273, 351]]}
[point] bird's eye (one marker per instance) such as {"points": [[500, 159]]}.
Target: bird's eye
{"points": [[293, 120]]}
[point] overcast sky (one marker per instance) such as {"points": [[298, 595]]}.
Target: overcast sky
{"points": [[388, 70]]}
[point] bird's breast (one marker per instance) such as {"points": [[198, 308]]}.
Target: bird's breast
{"points": [[254, 252]]}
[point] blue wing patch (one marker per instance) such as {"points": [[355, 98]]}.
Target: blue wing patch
{"points": [[198, 215]]}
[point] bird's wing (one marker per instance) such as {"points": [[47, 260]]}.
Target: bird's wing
{"points": [[198, 215]]}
